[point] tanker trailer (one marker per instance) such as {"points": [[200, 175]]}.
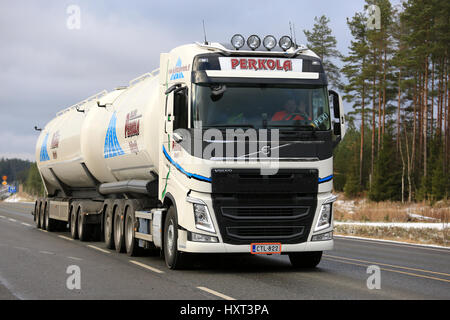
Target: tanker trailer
{"points": [[226, 148]]}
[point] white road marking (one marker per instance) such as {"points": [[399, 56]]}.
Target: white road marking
{"points": [[46, 252], [13, 220], [65, 238], [22, 248], [42, 230], [26, 224], [75, 258], [146, 266], [221, 295], [2, 217], [6, 284], [97, 248]]}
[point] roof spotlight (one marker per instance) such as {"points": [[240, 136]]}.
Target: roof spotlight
{"points": [[237, 41], [269, 42], [253, 42], [285, 42]]}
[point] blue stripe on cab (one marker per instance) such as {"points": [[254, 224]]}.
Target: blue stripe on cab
{"points": [[188, 174], [329, 178]]}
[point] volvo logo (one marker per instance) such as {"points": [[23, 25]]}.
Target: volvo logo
{"points": [[266, 150]]}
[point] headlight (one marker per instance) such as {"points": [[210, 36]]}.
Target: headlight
{"points": [[269, 42], [237, 41], [202, 217], [324, 217], [285, 43], [325, 214], [253, 42]]}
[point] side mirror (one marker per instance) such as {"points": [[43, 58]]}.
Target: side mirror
{"points": [[172, 88], [338, 112]]}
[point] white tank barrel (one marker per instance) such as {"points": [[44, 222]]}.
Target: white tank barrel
{"points": [[114, 135]]}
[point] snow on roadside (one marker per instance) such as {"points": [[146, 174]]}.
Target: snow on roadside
{"points": [[18, 198], [406, 225]]}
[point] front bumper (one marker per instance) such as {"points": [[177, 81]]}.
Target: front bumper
{"points": [[222, 246], [201, 247]]}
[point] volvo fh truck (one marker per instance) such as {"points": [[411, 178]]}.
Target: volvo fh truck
{"points": [[225, 148]]}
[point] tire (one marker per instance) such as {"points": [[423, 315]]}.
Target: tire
{"points": [[131, 243], [74, 221], [174, 258], [84, 229], [119, 239], [108, 225], [50, 224], [42, 215], [46, 215], [37, 216], [305, 260]]}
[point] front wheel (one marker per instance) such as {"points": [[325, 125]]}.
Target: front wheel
{"points": [[173, 257], [306, 260], [131, 243], [74, 221]]}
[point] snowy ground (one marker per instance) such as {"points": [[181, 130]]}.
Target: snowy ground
{"points": [[19, 198], [406, 225]]}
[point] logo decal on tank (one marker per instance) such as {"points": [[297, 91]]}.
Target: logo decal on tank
{"points": [[44, 154], [177, 72], [112, 147]]}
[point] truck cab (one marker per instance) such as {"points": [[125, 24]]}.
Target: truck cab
{"points": [[247, 139]]}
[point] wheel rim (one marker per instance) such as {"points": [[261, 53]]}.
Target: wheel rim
{"points": [[41, 217], [73, 223], [38, 217], [80, 225], [170, 238], [129, 232], [117, 229], [107, 226]]}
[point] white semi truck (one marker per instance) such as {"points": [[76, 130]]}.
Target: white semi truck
{"points": [[226, 148]]}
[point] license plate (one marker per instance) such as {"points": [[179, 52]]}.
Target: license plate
{"points": [[265, 248]]}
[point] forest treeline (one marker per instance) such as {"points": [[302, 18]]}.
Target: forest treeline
{"points": [[395, 78], [22, 172]]}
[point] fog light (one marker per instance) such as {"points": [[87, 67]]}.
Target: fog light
{"points": [[237, 41], [269, 42], [285, 43], [197, 237], [253, 42], [323, 237]]}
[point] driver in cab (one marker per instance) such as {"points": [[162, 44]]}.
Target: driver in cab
{"points": [[292, 112]]}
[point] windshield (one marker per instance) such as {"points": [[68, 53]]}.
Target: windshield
{"points": [[260, 107]]}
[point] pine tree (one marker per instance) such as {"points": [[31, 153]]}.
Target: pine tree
{"points": [[323, 43], [355, 71], [386, 183]]}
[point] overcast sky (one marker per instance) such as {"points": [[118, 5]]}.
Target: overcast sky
{"points": [[46, 67]]}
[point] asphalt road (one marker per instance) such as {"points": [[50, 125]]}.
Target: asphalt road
{"points": [[34, 263]]}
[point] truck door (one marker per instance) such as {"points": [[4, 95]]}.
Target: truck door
{"points": [[175, 117]]}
